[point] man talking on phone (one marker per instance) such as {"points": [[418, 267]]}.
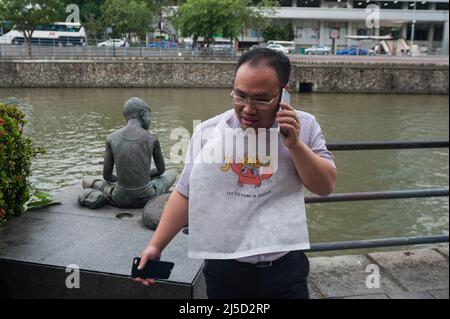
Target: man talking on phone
{"points": [[247, 221]]}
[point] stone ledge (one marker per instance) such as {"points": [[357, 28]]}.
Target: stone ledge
{"points": [[407, 274], [417, 270], [44, 242]]}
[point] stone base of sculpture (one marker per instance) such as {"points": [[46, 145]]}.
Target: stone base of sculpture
{"points": [[98, 192]]}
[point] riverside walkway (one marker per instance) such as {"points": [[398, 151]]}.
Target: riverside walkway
{"points": [[407, 274]]}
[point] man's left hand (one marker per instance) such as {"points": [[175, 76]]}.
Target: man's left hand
{"points": [[289, 123]]}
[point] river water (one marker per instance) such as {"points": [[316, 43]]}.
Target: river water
{"points": [[73, 123]]}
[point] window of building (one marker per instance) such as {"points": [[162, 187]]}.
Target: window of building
{"points": [[362, 31], [362, 4], [315, 34], [442, 6], [420, 32], [395, 32], [438, 32], [391, 5], [307, 29], [308, 3], [254, 33], [299, 32], [335, 3], [286, 3], [420, 5]]}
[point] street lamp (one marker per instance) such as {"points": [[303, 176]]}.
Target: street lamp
{"points": [[413, 26], [114, 42]]}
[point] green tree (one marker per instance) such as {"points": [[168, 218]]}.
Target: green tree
{"points": [[275, 32], [263, 14], [205, 18], [94, 25], [162, 7], [270, 32], [26, 15], [127, 16]]}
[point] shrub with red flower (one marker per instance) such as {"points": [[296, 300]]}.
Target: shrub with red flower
{"points": [[16, 154]]}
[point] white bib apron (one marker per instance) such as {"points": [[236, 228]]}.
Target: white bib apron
{"points": [[235, 211]]}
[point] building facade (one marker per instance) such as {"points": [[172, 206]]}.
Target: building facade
{"points": [[315, 22]]}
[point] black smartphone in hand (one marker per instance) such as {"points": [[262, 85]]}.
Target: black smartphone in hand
{"points": [[154, 269]]}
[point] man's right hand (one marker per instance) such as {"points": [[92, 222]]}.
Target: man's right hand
{"points": [[174, 217], [150, 253]]}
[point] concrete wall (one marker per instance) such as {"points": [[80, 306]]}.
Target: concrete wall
{"points": [[320, 77], [341, 78]]}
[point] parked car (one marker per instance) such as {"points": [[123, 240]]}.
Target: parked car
{"points": [[352, 51], [163, 45], [112, 43], [290, 45], [320, 49], [223, 45], [257, 46], [278, 47]]}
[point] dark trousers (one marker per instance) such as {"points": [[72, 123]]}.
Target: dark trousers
{"points": [[286, 278]]}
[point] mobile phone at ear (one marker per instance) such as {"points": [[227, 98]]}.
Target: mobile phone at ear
{"points": [[285, 98], [154, 269]]}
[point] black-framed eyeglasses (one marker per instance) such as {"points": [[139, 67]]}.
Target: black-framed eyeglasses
{"points": [[241, 101]]}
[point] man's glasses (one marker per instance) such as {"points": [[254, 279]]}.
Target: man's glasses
{"points": [[241, 101]]}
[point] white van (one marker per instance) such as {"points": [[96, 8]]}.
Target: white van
{"points": [[290, 45], [222, 44]]}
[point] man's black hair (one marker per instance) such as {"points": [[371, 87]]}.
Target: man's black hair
{"points": [[274, 59]]}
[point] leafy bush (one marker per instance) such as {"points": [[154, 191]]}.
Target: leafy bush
{"points": [[16, 154]]}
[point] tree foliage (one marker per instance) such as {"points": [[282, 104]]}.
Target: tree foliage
{"points": [[283, 33], [205, 18], [160, 8], [127, 16], [26, 15], [196, 18]]}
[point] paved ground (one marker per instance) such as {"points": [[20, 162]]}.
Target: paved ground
{"points": [[419, 60], [411, 274]]}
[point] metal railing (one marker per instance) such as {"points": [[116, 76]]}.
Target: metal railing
{"points": [[96, 49], [377, 243], [398, 194], [381, 195], [387, 145]]}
